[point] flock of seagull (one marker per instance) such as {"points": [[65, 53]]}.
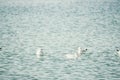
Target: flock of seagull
{"points": [[80, 51]]}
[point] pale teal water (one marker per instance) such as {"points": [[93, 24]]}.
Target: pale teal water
{"points": [[59, 28]]}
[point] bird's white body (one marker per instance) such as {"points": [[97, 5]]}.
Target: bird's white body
{"points": [[118, 52], [75, 55], [38, 52], [71, 56]]}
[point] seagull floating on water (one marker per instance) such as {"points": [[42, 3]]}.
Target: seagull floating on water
{"points": [[39, 52], [118, 52], [80, 51]]}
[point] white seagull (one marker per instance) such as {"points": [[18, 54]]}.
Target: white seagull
{"points": [[118, 52], [80, 51], [39, 52]]}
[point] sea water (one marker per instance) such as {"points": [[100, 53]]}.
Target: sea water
{"points": [[59, 27]]}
